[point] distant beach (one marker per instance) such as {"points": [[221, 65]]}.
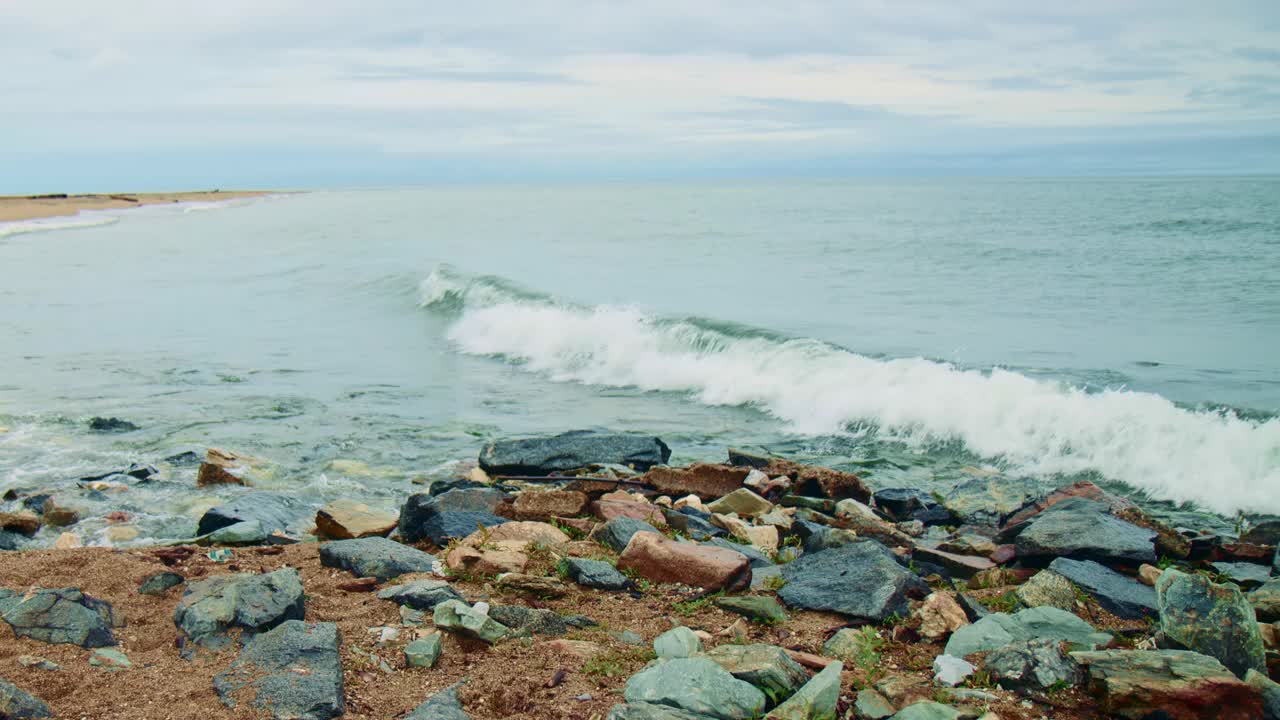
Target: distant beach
{"points": [[32, 207]]}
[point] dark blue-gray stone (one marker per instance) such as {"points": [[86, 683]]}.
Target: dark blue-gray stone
{"points": [[420, 594], [295, 670], [692, 524], [376, 557], [533, 621], [570, 451], [273, 511], [62, 616], [209, 609], [617, 532], [454, 514], [17, 704], [444, 705], [901, 502], [862, 579], [10, 540], [1085, 529], [1118, 594], [1246, 575], [596, 574], [160, 583]]}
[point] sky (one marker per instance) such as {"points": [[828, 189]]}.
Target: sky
{"points": [[303, 93]]}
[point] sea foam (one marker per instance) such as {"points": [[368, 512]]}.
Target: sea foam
{"points": [[69, 222], [1215, 459]]}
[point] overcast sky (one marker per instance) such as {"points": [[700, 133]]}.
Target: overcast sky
{"points": [[346, 92]]}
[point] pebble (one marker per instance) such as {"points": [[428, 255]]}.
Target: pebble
{"points": [[37, 662]]}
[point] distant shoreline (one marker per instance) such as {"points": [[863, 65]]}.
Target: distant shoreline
{"points": [[34, 207]]}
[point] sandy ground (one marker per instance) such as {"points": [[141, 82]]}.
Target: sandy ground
{"points": [[42, 206]]}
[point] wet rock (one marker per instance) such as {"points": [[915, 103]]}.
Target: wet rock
{"points": [[1172, 684], [571, 451], [375, 557], [940, 615], [985, 500], [656, 558], [1246, 575], [22, 522], [1047, 588], [111, 425], [1270, 692], [1033, 665], [815, 700], [697, 685], [444, 705], [453, 514], [766, 667], [456, 616], [958, 566], [950, 671], [1118, 594], [678, 642], [1266, 601], [547, 504], [596, 574], [1211, 619], [742, 502], [423, 652], [348, 519], [273, 511], [758, 608], [18, 704], [420, 594], [706, 481], [1266, 532], [60, 616], [249, 532], [159, 583], [10, 541], [109, 659], [817, 481], [926, 710], [867, 525], [1084, 529], [294, 671], [617, 533], [999, 629], [862, 580], [210, 609], [55, 512], [902, 502], [1168, 542]]}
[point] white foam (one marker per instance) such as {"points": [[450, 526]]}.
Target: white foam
{"points": [[1217, 460], [82, 219]]}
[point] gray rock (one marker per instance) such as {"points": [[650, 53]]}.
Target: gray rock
{"points": [[871, 705], [984, 501], [697, 685], [110, 659], [294, 669], [596, 574], [999, 629], [570, 451], [1211, 619], [926, 710], [1085, 529], [160, 583], [11, 540], [951, 671], [1047, 588], [758, 608], [62, 616], [691, 524], [1270, 691], [17, 704], [210, 609], [861, 580], [678, 642], [275, 512], [530, 620], [444, 705], [454, 514], [1120, 595], [767, 578], [420, 594], [469, 498], [249, 532], [1266, 532], [815, 700], [375, 557], [1266, 601], [423, 652], [649, 711], [901, 502], [767, 667], [1246, 575], [458, 617], [815, 537], [1033, 665], [757, 558], [616, 533]]}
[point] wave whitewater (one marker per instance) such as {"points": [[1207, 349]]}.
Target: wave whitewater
{"points": [[70, 222], [1215, 459]]}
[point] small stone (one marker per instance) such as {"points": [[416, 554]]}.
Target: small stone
{"points": [[1148, 574], [1266, 601], [456, 616], [849, 645], [742, 502], [420, 594], [532, 585], [950, 670], [677, 642], [412, 618], [374, 557], [159, 583], [871, 705], [535, 621], [596, 574], [67, 541], [1048, 588], [64, 615], [927, 710], [759, 608], [38, 663], [121, 533], [109, 659], [423, 652], [940, 615], [1034, 665]]}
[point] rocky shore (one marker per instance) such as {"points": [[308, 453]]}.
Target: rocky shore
{"points": [[580, 576]]}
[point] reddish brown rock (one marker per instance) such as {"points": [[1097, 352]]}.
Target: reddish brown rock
{"points": [[1243, 552], [1004, 554], [705, 480], [656, 558], [546, 504], [815, 480], [620, 504], [221, 467], [347, 519], [1171, 684], [23, 522], [582, 525]]}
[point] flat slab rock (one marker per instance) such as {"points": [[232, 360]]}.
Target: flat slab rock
{"points": [[293, 671], [60, 616], [1174, 684], [861, 579], [452, 514], [375, 557], [444, 705], [273, 511], [420, 594], [570, 451], [1120, 595], [697, 685], [210, 609], [1085, 529], [999, 629]]}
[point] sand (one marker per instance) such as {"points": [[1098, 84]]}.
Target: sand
{"points": [[14, 208]]}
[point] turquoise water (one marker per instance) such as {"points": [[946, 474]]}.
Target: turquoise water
{"points": [[1123, 330]]}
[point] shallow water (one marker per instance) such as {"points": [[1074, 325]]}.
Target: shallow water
{"points": [[1121, 330]]}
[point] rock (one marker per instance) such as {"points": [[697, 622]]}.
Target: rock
{"points": [[294, 672], [447, 516], [950, 671], [1246, 575], [816, 481], [678, 642], [536, 586], [1171, 684], [973, 609], [940, 615], [444, 705], [596, 574], [757, 558], [218, 473], [926, 710], [1048, 589], [759, 608], [708, 482], [456, 616], [1118, 594], [534, 621], [375, 557], [656, 558], [985, 500], [273, 511], [741, 502], [1266, 601], [17, 704], [816, 538], [420, 594], [871, 705], [999, 629], [347, 519], [37, 662], [571, 451], [617, 533], [815, 700], [620, 505], [61, 616], [10, 541], [1211, 619], [1084, 529], [767, 667], [649, 711], [1033, 665], [111, 425], [22, 523], [1148, 574], [1270, 692], [860, 580], [423, 652], [959, 566], [547, 504], [109, 659], [55, 513], [697, 685], [968, 544], [209, 609], [65, 541], [901, 502], [691, 524], [159, 583]]}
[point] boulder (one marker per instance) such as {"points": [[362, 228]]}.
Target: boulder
{"points": [[1211, 619], [940, 615], [707, 482], [741, 502], [275, 512], [423, 652], [999, 629], [375, 557], [691, 523], [420, 594], [985, 500], [815, 700], [1118, 594], [444, 705], [767, 667], [1084, 529], [1033, 666], [697, 685], [758, 608], [1171, 684], [453, 514], [817, 481], [902, 502], [159, 583], [862, 580], [111, 425], [547, 504], [596, 574], [678, 642], [221, 467], [348, 519], [210, 609], [656, 558], [1266, 601], [570, 451], [871, 705], [60, 616], [1047, 588], [456, 616], [17, 704], [249, 532], [292, 672], [617, 533]]}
